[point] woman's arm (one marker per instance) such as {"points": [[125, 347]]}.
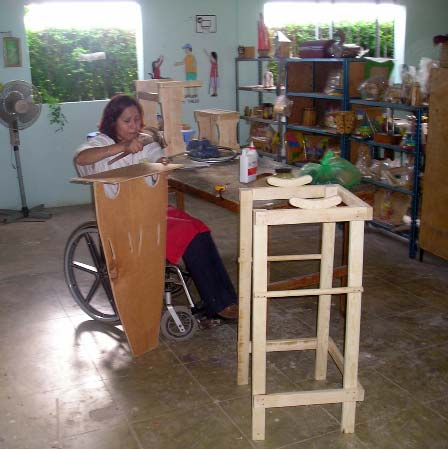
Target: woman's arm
{"points": [[91, 155]]}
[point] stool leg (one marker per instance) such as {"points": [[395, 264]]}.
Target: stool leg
{"points": [[227, 133], [323, 317], [244, 286], [206, 128], [259, 320], [352, 322]]}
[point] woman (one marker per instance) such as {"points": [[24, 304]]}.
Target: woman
{"points": [[187, 237]]}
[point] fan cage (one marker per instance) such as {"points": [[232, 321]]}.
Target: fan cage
{"points": [[14, 92]]}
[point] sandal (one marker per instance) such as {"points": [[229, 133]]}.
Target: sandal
{"points": [[208, 323]]}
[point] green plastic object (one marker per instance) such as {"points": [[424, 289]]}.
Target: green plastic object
{"points": [[333, 170]]}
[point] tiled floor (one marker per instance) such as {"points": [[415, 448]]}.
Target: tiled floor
{"points": [[69, 382]]}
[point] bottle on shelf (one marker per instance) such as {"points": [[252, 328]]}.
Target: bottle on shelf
{"points": [[248, 164]]}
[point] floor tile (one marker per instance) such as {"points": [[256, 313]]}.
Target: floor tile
{"points": [[416, 428], [119, 437], [205, 426], [283, 425]]}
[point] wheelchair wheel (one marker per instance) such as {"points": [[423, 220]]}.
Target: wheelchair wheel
{"points": [[169, 328], [86, 274]]}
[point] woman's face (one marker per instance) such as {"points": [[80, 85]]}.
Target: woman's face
{"points": [[128, 124]]}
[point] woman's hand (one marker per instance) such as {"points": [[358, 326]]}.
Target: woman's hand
{"points": [[163, 160], [133, 146]]}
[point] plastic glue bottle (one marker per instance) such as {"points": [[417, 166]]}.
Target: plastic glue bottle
{"points": [[248, 164]]}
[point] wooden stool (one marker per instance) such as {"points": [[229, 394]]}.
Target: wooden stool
{"points": [[220, 121], [354, 211]]}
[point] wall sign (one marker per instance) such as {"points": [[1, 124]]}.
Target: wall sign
{"points": [[205, 24]]}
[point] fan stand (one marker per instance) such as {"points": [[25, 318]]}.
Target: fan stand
{"points": [[34, 214]]}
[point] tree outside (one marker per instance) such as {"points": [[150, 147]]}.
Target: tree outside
{"points": [[60, 74]]}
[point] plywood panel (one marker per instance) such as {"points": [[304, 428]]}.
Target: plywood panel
{"points": [[434, 216], [133, 233]]}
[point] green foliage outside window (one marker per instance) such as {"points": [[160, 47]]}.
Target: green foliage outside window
{"points": [[61, 77], [360, 33]]}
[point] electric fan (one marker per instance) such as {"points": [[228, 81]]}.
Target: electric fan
{"points": [[20, 105]]}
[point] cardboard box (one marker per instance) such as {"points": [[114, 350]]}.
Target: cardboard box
{"points": [[249, 52]]}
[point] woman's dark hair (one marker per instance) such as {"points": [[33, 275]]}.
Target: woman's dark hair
{"points": [[113, 110], [214, 55]]}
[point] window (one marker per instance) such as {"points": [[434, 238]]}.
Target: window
{"points": [[378, 27], [83, 51]]}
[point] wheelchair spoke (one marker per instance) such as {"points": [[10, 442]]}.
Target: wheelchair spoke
{"points": [[110, 296], [93, 290], [86, 274], [91, 245], [85, 267]]}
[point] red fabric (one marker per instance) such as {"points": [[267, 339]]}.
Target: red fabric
{"points": [[181, 230]]}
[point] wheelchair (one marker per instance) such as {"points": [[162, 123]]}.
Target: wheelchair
{"points": [[88, 281]]}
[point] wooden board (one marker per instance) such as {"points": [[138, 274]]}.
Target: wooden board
{"points": [[434, 216], [133, 234], [123, 174]]}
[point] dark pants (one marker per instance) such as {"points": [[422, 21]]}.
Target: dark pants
{"points": [[205, 266]]}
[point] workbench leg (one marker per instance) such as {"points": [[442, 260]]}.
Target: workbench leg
{"points": [[352, 322], [259, 321], [324, 306]]}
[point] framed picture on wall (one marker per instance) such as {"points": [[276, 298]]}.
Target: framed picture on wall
{"points": [[12, 55], [206, 24]]}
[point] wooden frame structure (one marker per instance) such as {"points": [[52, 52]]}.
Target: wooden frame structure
{"points": [[254, 225], [169, 95]]}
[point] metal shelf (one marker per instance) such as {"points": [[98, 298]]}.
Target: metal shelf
{"points": [[387, 186], [392, 228], [381, 104], [261, 88], [317, 95], [313, 129], [372, 143], [261, 120], [266, 59]]}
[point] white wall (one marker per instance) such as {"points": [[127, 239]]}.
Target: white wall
{"points": [[425, 19], [167, 25]]}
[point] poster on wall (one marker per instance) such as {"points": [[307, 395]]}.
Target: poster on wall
{"points": [[12, 56]]}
